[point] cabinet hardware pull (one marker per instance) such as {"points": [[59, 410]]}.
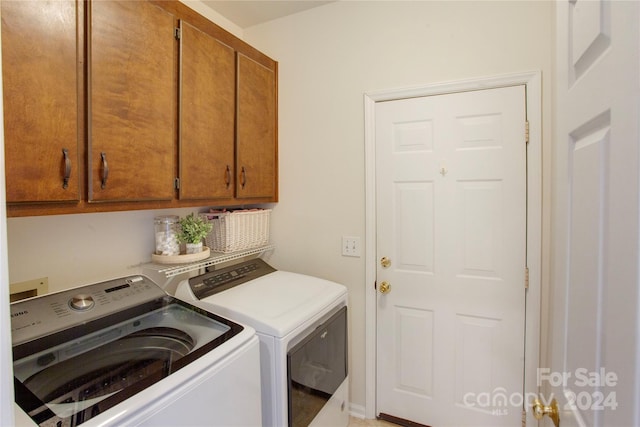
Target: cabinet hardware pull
{"points": [[67, 168], [227, 176], [243, 177], [105, 170]]}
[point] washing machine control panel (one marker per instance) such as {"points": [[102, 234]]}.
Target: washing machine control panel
{"points": [[40, 316], [220, 280]]}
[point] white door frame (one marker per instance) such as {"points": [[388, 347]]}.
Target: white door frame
{"points": [[533, 84]]}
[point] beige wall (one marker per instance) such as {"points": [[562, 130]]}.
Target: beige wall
{"points": [[73, 250], [328, 58]]}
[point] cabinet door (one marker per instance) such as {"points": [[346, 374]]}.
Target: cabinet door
{"points": [[256, 168], [133, 98], [207, 116], [40, 89]]}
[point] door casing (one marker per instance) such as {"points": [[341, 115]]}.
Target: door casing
{"points": [[533, 83]]}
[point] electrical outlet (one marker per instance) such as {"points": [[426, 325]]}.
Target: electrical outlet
{"points": [[351, 246]]}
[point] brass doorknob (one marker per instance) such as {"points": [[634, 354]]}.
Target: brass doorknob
{"points": [[539, 411], [385, 287], [385, 262]]}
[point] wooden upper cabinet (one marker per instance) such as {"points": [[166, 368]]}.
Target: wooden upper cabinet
{"points": [[40, 57], [132, 102], [206, 115], [108, 108], [256, 149]]}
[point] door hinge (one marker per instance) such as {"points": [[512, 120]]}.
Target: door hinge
{"points": [[375, 285], [526, 277], [176, 183], [177, 33], [526, 132]]}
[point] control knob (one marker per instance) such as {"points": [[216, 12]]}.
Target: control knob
{"points": [[82, 302]]}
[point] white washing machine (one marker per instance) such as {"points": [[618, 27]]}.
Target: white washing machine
{"points": [[123, 352], [301, 322]]}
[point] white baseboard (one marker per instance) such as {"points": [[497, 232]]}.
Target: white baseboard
{"points": [[356, 411]]}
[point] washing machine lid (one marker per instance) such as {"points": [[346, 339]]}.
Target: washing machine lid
{"points": [[109, 351], [278, 302]]}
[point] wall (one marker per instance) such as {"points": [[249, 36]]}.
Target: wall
{"points": [[214, 16], [328, 58], [73, 250]]}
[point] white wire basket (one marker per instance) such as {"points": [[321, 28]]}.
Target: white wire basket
{"points": [[238, 230]]}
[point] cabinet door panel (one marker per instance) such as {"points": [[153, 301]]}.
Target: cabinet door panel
{"points": [[207, 100], [40, 90], [256, 130], [132, 102]]}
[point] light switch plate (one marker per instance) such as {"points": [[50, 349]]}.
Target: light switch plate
{"points": [[351, 246]]}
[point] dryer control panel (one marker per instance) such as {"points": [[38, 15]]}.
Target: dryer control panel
{"points": [[220, 280]]}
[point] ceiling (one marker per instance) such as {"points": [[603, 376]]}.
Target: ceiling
{"points": [[246, 13]]}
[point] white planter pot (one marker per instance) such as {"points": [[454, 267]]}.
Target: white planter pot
{"points": [[193, 248]]}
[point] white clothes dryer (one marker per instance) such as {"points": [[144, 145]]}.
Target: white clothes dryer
{"points": [[301, 322]]}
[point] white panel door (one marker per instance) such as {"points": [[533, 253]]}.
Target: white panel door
{"points": [[451, 219], [595, 329]]}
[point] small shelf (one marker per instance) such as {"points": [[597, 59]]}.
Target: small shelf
{"points": [[215, 258]]}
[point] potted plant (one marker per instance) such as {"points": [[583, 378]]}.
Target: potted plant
{"points": [[193, 229]]}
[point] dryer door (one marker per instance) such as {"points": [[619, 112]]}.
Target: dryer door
{"points": [[316, 367]]}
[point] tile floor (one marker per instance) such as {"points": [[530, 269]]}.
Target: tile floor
{"points": [[358, 422]]}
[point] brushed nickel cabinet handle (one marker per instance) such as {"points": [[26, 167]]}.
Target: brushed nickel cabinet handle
{"points": [[105, 170], [243, 177], [67, 168]]}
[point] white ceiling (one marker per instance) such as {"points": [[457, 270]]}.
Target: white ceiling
{"points": [[246, 13]]}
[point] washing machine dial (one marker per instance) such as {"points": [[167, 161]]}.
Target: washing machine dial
{"points": [[82, 302]]}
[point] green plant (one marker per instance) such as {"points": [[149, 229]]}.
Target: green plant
{"points": [[193, 229]]}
